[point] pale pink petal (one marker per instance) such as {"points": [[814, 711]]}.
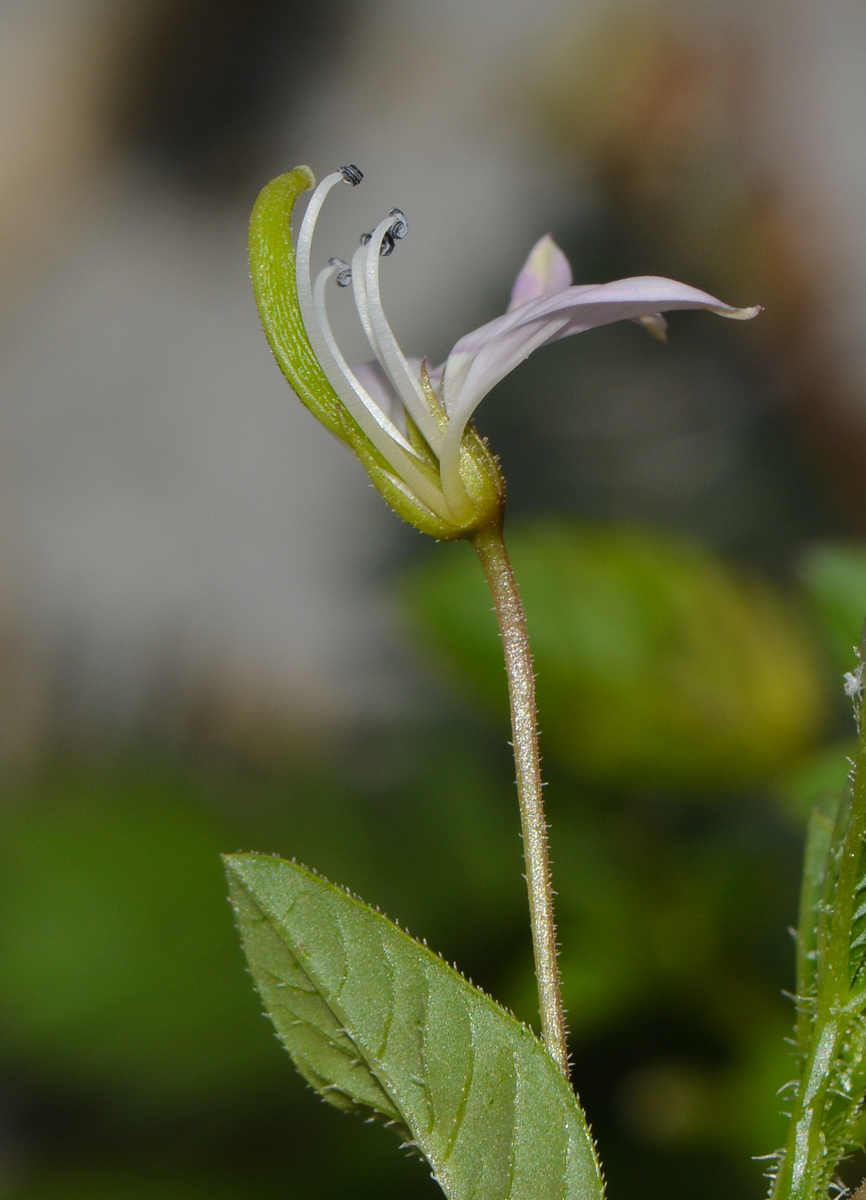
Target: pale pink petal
{"points": [[545, 270], [482, 358]]}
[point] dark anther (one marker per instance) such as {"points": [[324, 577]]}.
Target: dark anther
{"points": [[389, 240], [344, 275], [400, 227], [352, 174]]}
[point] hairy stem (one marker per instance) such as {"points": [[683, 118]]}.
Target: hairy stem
{"points": [[490, 548], [818, 1136]]}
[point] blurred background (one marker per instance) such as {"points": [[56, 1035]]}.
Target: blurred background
{"points": [[214, 636]]}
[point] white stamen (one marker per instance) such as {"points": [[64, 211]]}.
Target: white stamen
{"points": [[321, 339], [381, 431], [359, 289], [378, 427], [305, 244], [356, 399], [389, 353], [355, 392], [360, 293]]}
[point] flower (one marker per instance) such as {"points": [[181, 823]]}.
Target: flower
{"points": [[411, 424]]}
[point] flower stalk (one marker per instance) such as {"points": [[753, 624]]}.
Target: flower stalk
{"points": [[489, 545]]}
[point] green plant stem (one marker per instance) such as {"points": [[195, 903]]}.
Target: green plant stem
{"points": [[809, 1163], [490, 548]]}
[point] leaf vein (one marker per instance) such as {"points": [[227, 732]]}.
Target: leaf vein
{"points": [[511, 1153], [463, 1102], [389, 1015]]}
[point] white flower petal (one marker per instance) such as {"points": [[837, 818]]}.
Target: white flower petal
{"points": [[482, 358]]}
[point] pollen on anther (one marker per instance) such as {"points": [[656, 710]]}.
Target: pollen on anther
{"points": [[352, 174]]}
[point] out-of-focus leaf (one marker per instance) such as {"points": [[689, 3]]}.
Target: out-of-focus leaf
{"points": [[377, 1022], [834, 577], [117, 972], [820, 775], [651, 919], [658, 664]]}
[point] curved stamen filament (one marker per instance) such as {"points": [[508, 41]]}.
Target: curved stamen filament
{"points": [[359, 289], [355, 398], [381, 431], [356, 393], [379, 428], [389, 353], [305, 244]]}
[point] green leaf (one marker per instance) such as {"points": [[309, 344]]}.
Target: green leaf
{"points": [[379, 1024]]}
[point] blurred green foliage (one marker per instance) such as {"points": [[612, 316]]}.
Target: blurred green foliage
{"points": [[833, 575], [117, 963], [822, 773], [659, 666], [119, 966], [833, 578], [129, 1185]]}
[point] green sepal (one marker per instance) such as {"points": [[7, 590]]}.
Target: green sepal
{"points": [[418, 442], [272, 266], [479, 470], [378, 1023]]}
